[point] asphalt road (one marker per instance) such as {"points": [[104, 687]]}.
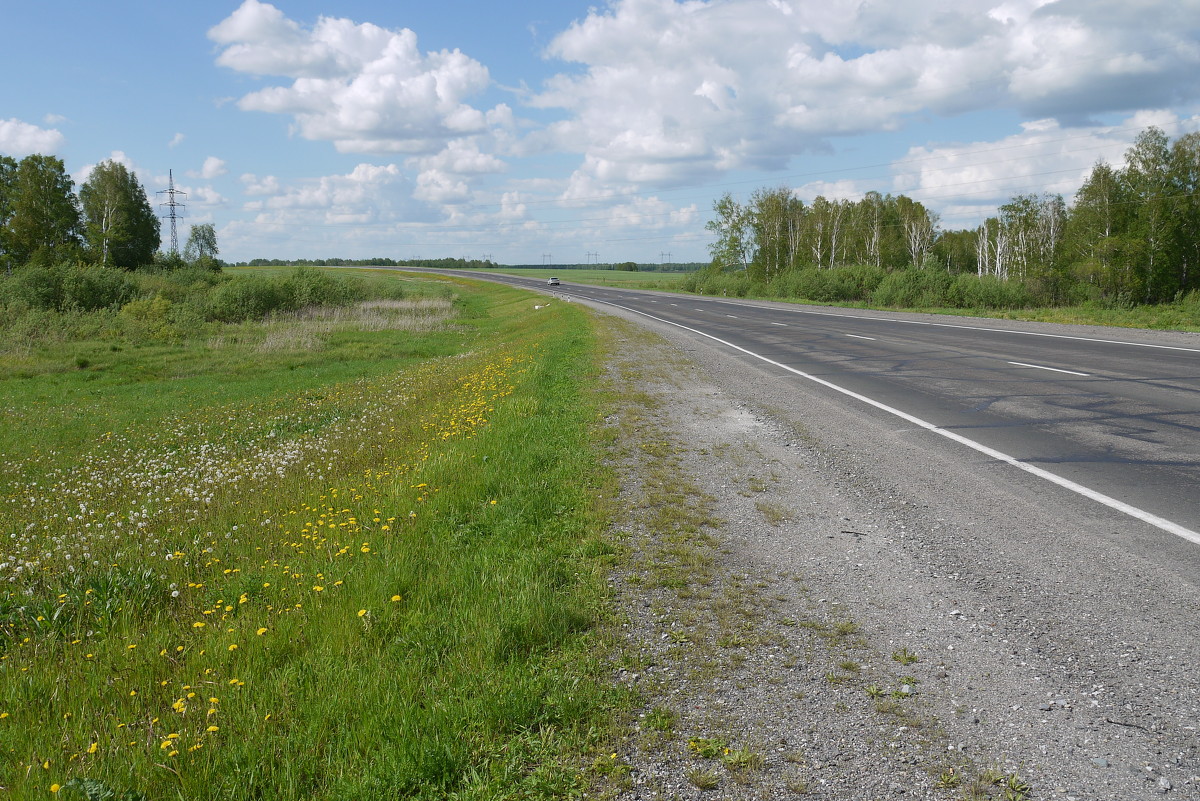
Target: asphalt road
{"points": [[1110, 412]]}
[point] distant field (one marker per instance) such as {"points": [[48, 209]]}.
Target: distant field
{"points": [[600, 277]]}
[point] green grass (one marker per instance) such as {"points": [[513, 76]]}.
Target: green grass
{"points": [[362, 569]]}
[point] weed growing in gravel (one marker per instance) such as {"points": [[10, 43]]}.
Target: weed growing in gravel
{"points": [[875, 691], [845, 628], [741, 760], [773, 513], [1015, 788], [948, 780], [707, 747], [905, 656], [798, 786], [703, 779], [660, 719]]}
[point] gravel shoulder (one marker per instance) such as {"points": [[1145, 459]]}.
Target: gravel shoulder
{"points": [[816, 602]]}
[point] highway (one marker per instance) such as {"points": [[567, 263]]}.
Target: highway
{"points": [[1113, 414]]}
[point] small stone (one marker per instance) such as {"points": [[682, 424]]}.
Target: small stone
{"points": [[1164, 784], [1100, 762]]}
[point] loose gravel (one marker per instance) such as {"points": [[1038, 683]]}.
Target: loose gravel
{"points": [[818, 603]]}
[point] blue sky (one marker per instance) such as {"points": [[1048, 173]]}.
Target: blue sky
{"points": [[565, 132]]}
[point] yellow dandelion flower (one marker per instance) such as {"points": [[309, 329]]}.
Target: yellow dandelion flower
{"points": [[93, 748], [362, 612], [199, 624], [262, 631], [3, 715], [213, 728], [54, 788], [318, 588], [395, 598], [233, 646]]}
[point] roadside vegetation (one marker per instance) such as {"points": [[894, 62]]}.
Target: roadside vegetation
{"points": [[1126, 251], [296, 535]]}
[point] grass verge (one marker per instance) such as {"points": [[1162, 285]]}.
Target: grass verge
{"points": [[368, 569]]}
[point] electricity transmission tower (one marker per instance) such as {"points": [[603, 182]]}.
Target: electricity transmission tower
{"points": [[171, 206]]}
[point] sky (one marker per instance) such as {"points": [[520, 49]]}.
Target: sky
{"points": [[561, 132]]}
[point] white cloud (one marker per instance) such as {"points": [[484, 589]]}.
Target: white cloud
{"points": [[213, 168], [835, 190], [677, 91], [117, 156], [19, 138], [254, 185], [364, 88], [54, 119], [368, 194], [176, 140], [968, 181]]}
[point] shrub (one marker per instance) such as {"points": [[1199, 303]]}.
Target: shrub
{"points": [[148, 318], [88, 288], [252, 297], [246, 298], [988, 292], [309, 287], [736, 285], [914, 289], [63, 287]]}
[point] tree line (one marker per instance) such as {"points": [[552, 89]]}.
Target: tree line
{"points": [[109, 223], [1131, 234]]}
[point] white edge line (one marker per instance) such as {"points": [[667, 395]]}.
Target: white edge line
{"points": [[1051, 369], [857, 336], [1099, 497], [784, 325]]}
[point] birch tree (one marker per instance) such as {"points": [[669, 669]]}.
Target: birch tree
{"points": [[119, 225]]}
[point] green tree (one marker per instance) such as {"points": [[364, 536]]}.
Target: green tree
{"points": [[201, 248], [1185, 191], [8, 190], [1094, 234], [119, 225], [731, 249], [769, 211], [1147, 177], [45, 212]]}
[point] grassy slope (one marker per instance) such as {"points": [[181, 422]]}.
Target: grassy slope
{"points": [[402, 608]]}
